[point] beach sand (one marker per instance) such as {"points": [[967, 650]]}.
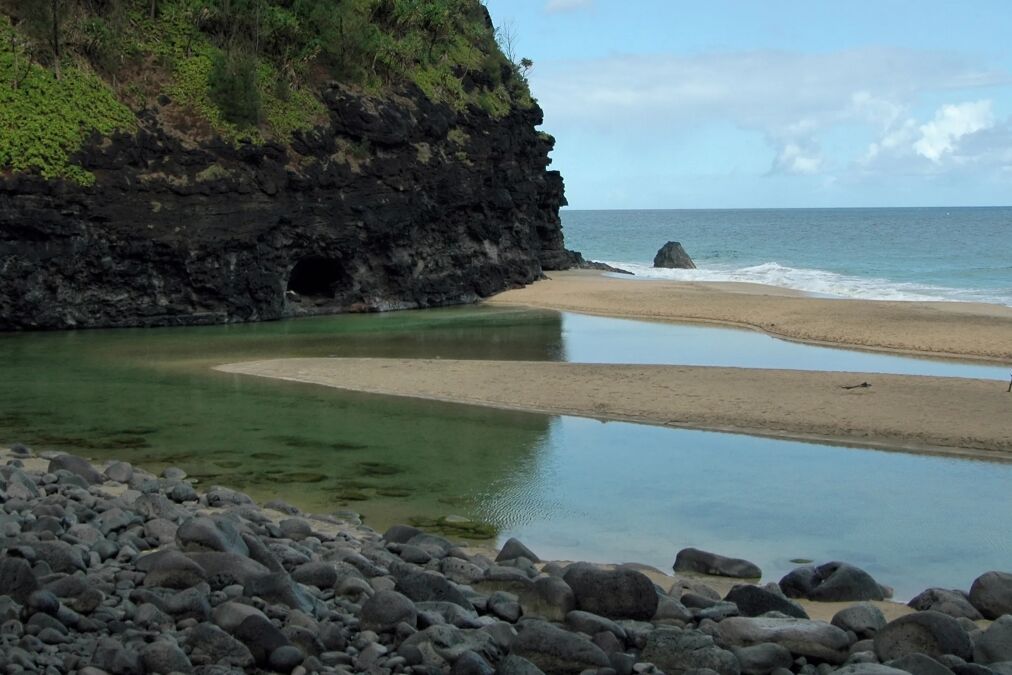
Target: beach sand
{"points": [[950, 329], [951, 416]]}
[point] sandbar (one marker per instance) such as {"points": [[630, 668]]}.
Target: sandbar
{"points": [[939, 415], [943, 329]]}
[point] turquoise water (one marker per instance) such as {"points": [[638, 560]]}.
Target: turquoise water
{"points": [[616, 492], [572, 488], [961, 254]]}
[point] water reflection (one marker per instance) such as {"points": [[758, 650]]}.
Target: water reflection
{"points": [[572, 488]]}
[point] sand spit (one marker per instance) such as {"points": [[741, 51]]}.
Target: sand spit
{"points": [[949, 329], [953, 416]]}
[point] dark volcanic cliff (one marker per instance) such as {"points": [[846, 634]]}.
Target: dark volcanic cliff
{"points": [[394, 203]]}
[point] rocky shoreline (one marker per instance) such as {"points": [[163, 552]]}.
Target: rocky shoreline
{"points": [[112, 569]]}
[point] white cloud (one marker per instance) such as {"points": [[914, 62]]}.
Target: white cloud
{"points": [[792, 99], [951, 123], [557, 6], [793, 158]]}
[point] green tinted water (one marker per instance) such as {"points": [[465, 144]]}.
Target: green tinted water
{"points": [[569, 487], [149, 396]]}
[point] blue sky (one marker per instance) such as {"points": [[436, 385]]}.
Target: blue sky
{"points": [[737, 104]]}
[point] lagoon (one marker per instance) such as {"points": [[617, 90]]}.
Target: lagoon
{"points": [[571, 488]]}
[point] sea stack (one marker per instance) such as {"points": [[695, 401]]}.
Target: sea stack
{"points": [[672, 255]]}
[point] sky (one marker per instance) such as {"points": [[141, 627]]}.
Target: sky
{"points": [[749, 104]]}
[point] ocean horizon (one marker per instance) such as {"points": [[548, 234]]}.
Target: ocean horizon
{"points": [[953, 254]]}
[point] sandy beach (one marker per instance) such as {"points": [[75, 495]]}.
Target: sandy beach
{"points": [[948, 329], [952, 416]]}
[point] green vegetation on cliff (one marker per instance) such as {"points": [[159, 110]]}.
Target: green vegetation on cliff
{"points": [[234, 68]]}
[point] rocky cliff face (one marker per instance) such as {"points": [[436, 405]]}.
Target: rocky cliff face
{"points": [[394, 203]]}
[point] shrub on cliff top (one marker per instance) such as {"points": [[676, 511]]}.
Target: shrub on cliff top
{"points": [[43, 120], [245, 67]]}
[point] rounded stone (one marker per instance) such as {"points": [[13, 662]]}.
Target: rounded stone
{"points": [[284, 659], [991, 594], [385, 609], [931, 633], [617, 594]]}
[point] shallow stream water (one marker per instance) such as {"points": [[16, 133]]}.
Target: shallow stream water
{"points": [[571, 488]]}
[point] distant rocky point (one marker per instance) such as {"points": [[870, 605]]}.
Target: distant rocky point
{"points": [[672, 255]]}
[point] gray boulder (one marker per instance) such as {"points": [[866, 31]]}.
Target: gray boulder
{"points": [[59, 555], [864, 620], [211, 534], [832, 582], [954, 603], [471, 663], [672, 255], [592, 624], [422, 585], [991, 594], [460, 571], [517, 665], [121, 472], [229, 615], [931, 633], [77, 466], [514, 549], [995, 644], [261, 637], [210, 645], [278, 588], [165, 657], [554, 650], [19, 486], [224, 569], [17, 579], [442, 644], [704, 562], [320, 574], [617, 594], [755, 601], [400, 534], [868, 669], [172, 569], [677, 651], [919, 664], [763, 658], [550, 598], [811, 639], [438, 612], [295, 529], [385, 610]]}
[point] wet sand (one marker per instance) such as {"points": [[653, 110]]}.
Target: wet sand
{"points": [[946, 329], [950, 416]]}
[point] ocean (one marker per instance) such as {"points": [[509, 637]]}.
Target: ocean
{"points": [[961, 254]]}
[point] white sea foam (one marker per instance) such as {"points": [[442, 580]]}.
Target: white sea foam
{"points": [[818, 282]]}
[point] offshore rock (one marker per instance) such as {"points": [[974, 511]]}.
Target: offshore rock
{"points": [[391, 203], [673, 256]]}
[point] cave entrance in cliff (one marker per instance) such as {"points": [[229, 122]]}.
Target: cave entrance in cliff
{"points": [[315, 277]]}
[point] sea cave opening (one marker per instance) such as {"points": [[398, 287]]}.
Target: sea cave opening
{"points": [[315, 276]]}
